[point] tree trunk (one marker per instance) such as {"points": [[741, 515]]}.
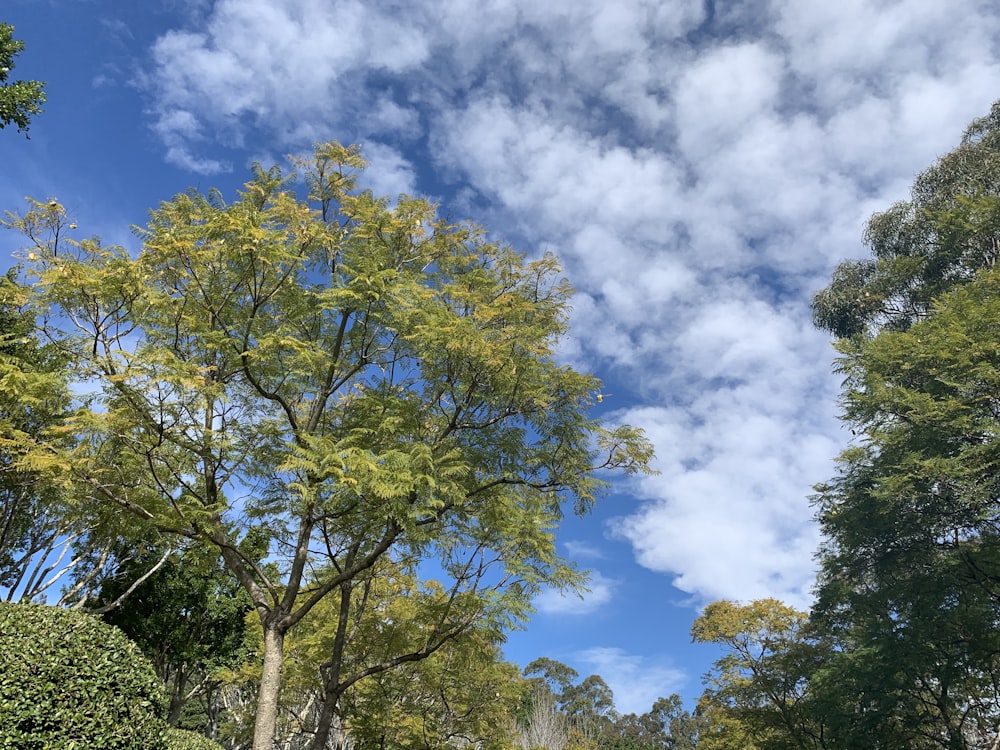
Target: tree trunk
{"points": [[324, 724], [331, 671], [266, 722], [177, 697]]}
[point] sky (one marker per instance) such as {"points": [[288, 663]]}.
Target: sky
{"points": [[698, 166]]}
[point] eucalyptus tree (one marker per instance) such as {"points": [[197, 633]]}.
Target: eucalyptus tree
{"points": [[920, 248], [585, 708], [360, 380]]}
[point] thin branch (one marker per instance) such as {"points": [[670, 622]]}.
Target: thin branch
{"points": [[136, 584]]}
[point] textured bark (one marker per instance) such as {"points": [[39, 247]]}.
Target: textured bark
{"points": [[270, 685]]}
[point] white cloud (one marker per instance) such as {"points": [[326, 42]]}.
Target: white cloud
{"points": [[636, 681], [599, 593], [389, 172], [722, 92], [698, 182], [581, 550]]}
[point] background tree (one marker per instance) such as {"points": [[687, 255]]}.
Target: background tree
{"points": [[19, 100], [365, 382], [757, 694], [585, 709], [463, 695], [666, 726], [189, 620]]}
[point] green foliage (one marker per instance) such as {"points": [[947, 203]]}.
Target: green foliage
{"points": [[189, 619], [68, 680], [549, 675], [940, 238], [19, 100], [352, 381], [911, 568], [33, 400], [463, 693], [909, 591], [450, 687], [757, 694], [182, 739]]}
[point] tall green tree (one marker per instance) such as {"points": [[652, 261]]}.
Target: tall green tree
{"points": [[19, 100], [362, 380], [911, 572], [910, 580]]}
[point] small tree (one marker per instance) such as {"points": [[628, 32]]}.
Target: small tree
{"points": [[757, 694], [188, 618], [364, 383]]}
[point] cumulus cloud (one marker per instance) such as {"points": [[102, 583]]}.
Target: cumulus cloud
{"points": [[699, 168], [635, 681]]}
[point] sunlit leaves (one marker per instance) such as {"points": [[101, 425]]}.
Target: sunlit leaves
{"points": [[359, 378]]}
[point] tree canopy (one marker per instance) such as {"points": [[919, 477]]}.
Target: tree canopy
{"points": [[922, 247], [908, 589], [363, 383]]}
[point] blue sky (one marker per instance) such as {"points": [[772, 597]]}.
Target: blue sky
{"points": [[699, 166]]}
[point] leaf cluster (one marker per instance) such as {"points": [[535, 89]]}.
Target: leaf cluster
{"points": [[67, 680], [940, 238], [19, 100]]}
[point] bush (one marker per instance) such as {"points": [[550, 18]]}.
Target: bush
{"points": [[182, 739], [71, 682]]}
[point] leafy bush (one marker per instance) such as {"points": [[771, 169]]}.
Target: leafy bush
{"points": [[69, 681], [182, 739]]}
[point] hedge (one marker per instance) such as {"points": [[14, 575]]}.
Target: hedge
{"points": [[183, 739], [69, 681]]}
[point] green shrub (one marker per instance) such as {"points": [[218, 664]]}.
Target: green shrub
{"points": [[71, 682], [182, 739]]}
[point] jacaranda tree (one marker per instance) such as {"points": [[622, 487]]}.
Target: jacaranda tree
{"points": [[359, 380]]}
